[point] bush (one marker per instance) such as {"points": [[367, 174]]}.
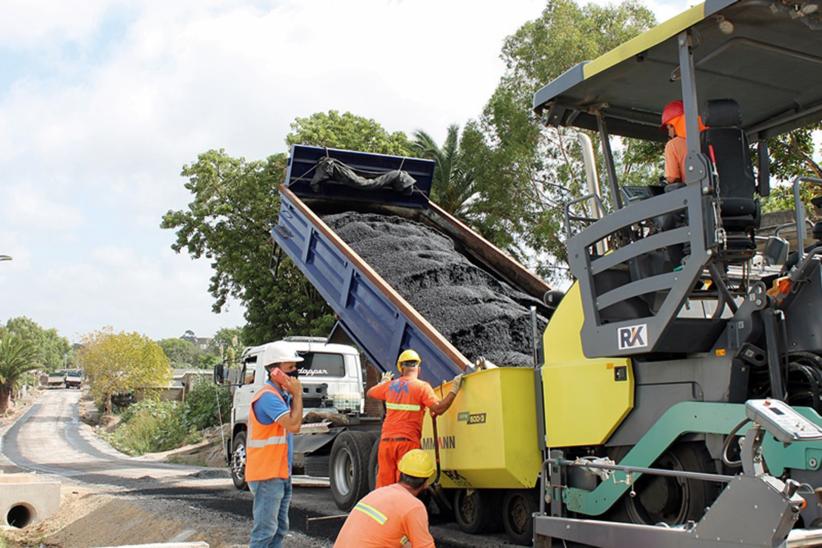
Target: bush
{"points": [[205, 404], [150, 426]]}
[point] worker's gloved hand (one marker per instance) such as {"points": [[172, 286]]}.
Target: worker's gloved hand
{"points": [[387, 376], [456, 382]]}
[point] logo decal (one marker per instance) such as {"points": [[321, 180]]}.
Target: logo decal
{"points": [[633, 336]]}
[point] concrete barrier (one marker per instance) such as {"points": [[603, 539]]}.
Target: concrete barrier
{"points": [[26, 499]]}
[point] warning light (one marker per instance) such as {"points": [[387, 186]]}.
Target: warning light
{"points": [[720, 352]]}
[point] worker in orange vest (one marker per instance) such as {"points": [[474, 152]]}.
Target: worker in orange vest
{"points": [[392, 515], [275, 413], [406, 400]]}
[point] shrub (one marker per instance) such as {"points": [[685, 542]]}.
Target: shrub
{"points": [[150, 426], [205, 404]]}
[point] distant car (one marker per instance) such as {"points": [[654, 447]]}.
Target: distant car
{"points": [[74, 378], [57, 379]]}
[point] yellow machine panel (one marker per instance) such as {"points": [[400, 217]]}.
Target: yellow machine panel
{"points": [[488, 439], [585, 399]]}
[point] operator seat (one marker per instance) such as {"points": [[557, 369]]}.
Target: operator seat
{"points": [[725, 143]]}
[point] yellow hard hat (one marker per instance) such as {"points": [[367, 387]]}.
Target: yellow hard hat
{"points": [[409, 357], [417, 464]]}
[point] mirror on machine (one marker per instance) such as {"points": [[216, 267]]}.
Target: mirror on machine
{"points": [[776, 251]]}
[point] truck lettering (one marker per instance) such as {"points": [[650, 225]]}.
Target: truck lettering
{"points": [[445, 442]]}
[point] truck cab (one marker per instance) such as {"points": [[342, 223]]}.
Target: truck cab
{"points": [[332, 379]]}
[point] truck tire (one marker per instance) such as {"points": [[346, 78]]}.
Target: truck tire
{"points": [[518, 506], [348, 468], [373, 463], [477, 511], [238, 456]]}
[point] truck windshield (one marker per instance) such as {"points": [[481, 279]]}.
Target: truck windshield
{"points": [[320, 364]]}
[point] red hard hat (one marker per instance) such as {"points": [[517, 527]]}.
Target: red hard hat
{"points": [[672, 110]]}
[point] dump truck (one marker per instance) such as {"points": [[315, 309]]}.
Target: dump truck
{"points": [[674, 397]]}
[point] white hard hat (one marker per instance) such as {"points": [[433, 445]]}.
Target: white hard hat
{"points": [[278, 352]]}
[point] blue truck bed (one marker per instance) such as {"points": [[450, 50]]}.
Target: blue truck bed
{"points": [[377, 319]]}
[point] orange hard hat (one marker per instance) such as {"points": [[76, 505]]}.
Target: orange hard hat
{"points": [[672, 110]]}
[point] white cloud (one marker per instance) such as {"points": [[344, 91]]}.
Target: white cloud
{"points": [[25, 207], [30, 23], [159, 294]]}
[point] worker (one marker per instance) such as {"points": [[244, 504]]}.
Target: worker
{"points": [[392, 515], [276, 412], [406, 400], [676, 149]]}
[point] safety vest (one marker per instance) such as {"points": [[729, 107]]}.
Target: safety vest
{"points": [[267, 444]]}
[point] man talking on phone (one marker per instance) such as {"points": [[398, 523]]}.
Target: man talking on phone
{"points": [[276, 413]]}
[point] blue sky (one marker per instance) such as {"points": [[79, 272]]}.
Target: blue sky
{"points": [[103, 102]]}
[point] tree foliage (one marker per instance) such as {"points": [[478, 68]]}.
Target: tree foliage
{"points": [[181, 353], [347, 131], [17, 357], [228, 222], [453, 181], [51, 351], [524, 173], [228, 343], [117, 363]]}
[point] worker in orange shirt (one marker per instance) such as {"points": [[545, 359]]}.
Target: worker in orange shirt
{"points": [[392, 515], [676, 149], [406, 400]]}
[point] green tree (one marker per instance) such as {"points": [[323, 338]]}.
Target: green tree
{"points": [[453, 183], [51, 350], [17, 357], [180, 353], [524, 172], [227, 343], [117, 363], [228, 222], [347, 131]]}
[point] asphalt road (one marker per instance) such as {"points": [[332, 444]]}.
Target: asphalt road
{"points": [[50, 439]]}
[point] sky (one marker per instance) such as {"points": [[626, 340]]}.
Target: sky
{"points": [[103, 102]]}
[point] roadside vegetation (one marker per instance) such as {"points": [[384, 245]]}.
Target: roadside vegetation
{"points": [[119, 363], [153, 425]]}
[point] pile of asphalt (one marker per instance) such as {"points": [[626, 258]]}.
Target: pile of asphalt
{"points": [[479, 314]]}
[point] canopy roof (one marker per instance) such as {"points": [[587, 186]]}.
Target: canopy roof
{"points": [[765, 54]]}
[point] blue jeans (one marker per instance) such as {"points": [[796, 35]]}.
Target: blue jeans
{"points": [[271, 500]]}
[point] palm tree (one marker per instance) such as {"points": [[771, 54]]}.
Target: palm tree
{"points": [[453, 184], [17, 357]]}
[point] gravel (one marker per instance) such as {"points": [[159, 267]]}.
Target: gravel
{"points": [[479, 314]]}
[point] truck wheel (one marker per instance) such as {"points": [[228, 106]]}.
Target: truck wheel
{"points": [[238, 456], [477, 511], [373, 463], [348, 468], [518, 507]]}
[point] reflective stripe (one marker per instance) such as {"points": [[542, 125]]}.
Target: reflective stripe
{"points": [[371, 512], [403, 540], [402, 406], [273, 440]]}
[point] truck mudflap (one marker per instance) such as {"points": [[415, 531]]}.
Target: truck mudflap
{"points": [[755, 509]]}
